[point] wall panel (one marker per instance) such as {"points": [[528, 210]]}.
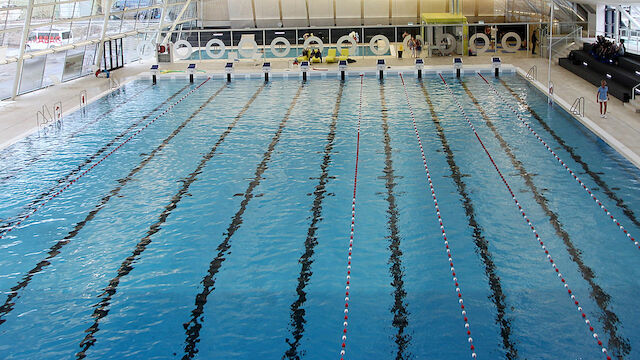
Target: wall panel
{"points": [[240, 13], [348, 12], [267, 13], [294, 13], [321, 12], [376, 12], [404, 11]]}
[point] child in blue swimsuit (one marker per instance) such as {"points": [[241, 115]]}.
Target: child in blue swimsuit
{"points": [[602, 98]]}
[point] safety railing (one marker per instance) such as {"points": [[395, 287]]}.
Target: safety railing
{"points": [[45, 118], [634, 91], [532, 74], [292, 39], [558, 45], [578, 107]]}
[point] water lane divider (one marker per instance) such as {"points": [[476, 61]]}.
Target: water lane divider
{"points": [[575, 177], [56, 249], [306, 260], [74, 180], [101, 309], [442, 229], [87, 160], [195, 323], [353, 222], [70, 136], [526, 218]]}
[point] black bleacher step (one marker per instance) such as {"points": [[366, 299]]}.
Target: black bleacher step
{"points": [[618, 74], [630, 64], [616, 89]]}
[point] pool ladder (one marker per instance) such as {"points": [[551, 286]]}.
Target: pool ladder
{"points": [[44, 117], [578, 107], [532, 74]]}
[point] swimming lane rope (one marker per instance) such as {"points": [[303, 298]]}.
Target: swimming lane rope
{"points": [[74, 180], [533, 229], [444, 234], [575, 177], [353, 221]]}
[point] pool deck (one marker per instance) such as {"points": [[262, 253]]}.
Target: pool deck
{"points": [[621, 128]]}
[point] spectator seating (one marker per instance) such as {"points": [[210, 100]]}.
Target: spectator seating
{"points": [[620, 78]]}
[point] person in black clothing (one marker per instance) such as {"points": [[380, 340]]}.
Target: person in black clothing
{"points": [[316, 53], [534, 41]]}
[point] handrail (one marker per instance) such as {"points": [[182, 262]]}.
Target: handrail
{"points": [[578, 107], [83, 99], [633, 91], [532, 74], [47, 117]]}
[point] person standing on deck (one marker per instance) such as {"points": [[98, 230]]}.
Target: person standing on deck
{"points": [[602, 98]]}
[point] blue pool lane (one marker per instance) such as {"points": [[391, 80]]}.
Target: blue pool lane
{"points": [[221, 230]]}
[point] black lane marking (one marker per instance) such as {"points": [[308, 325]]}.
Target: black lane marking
{"points": [[102, 308], [399, 308], [70, 136], [482, 244], [7, 307], [578, 159], [298, 312], [28, 209], [618, 346], [193, 326]]}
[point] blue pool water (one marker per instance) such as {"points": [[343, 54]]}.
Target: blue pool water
{"points": [[221, 230], [362, 51]]}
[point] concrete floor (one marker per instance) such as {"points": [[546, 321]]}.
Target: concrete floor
{"points": [[621, 129]]}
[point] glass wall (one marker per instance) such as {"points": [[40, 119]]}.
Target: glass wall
{"points": [[63, 36]]}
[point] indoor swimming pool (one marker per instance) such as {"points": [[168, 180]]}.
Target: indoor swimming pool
{"points": [[213, 220]]}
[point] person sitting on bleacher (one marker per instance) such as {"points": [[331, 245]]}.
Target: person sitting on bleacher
{"points": [[607, 51]]}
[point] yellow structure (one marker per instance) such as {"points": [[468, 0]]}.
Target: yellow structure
{"points": [[444, 19]]}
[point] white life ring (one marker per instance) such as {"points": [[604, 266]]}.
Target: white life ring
{"points": [[452, 42], [472, 43], [505, 45], [319, 43], [182, 54], [248, 53], [353, 49], [145, 48], [379, 50], [280, 53], [209, 47]]}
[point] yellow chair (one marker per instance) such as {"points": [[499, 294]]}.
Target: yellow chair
{"points": [[331, 56], [302, 58], [316, 60], [345, 54]]}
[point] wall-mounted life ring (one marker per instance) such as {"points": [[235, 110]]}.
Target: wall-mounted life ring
{"points": [[379, 50], [473, 46], [209, 47], [285, 51], [353, 49]]}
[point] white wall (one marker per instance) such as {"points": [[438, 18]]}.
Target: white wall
{"points": [[376, 12], [267, 13], [240, 14], [215, 13], [348, 12], [321, 12], [404, 11], [294, 13]]}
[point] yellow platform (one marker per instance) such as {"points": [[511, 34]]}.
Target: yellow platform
{"points": [[448, 18]]}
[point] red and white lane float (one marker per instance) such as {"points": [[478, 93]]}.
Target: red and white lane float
{"points": [[353, 222], [533, 229], [74, 180], [566, 167], [442, 229]]}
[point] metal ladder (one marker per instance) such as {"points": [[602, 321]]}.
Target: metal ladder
{"points": [[532, 74], [578, 107], [44, 117]]}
